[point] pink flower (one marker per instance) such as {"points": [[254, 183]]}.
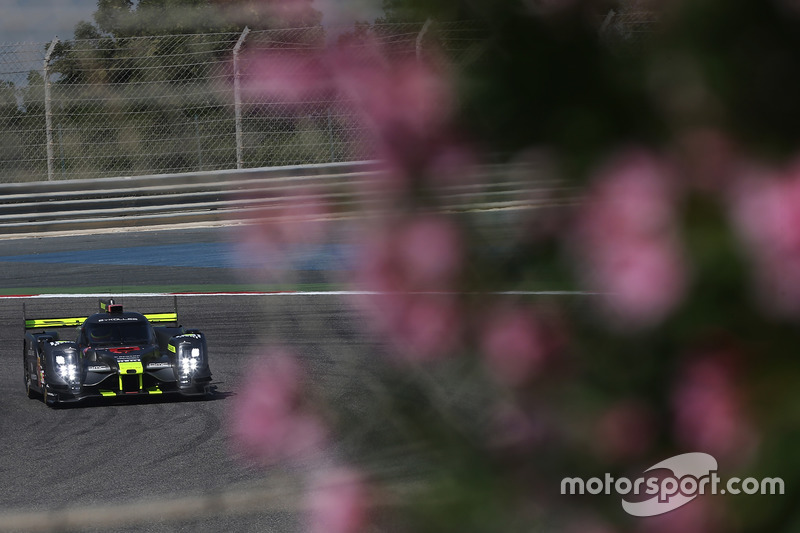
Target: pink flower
{"points": [[709, 409], [277, 76], [419, 254], [268, 422], [766, 211], [406, 104], [402, 98], [418, 326], [412, 265], [514, 344], [266, 245], [513, 429], [626, 241], [338, 501]]}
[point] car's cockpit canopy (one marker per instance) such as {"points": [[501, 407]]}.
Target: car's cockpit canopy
{"points": [[118, 330]]}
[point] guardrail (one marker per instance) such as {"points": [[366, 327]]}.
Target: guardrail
{"points": [[234, 196]]}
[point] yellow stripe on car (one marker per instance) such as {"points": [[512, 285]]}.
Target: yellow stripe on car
{"points": [[53, 322], [162, 317]]}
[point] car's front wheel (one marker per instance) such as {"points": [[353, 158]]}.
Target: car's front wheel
{"points": [[47, 396]]}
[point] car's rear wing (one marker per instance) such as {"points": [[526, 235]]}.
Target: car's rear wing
{"points": [[107, 306]]}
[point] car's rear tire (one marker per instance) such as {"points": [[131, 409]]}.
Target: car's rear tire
{"points": [[28, 390]]}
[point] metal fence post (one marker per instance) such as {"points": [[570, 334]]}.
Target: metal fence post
{"points": [[237, 97], [48, 114], [421, 36]]}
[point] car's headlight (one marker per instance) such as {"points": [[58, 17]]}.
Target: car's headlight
{"points": [[66, 367], [188, 359]]}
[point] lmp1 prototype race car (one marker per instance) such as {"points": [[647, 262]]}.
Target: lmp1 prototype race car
{"points": [[116, 353]]}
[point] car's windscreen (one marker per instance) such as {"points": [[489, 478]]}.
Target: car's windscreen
{"points": [[119, 332]]}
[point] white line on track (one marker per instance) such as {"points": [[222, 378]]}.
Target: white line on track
{"points": [[284, 293]]}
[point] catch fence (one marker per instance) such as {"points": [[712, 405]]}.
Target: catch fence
{"points": [[109, 107], [167, 104]]}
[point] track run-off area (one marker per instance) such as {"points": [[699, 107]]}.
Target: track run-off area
{"points": [[166, 464]]}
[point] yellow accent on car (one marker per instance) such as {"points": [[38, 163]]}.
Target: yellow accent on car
{"points": [[125, 369], [162, 317], [108, 393], [35, 323], [53, 322], [154, 390], [171, 348]]}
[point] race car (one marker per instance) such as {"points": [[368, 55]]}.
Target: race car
{"points": [[115, 353]]}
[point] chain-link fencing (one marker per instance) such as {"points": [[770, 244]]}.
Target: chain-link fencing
{"points": [[168, 104], [132, 106]]}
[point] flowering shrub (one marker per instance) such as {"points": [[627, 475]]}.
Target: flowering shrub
{"points": [[679, 256]]}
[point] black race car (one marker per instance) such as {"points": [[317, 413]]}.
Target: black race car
{"points": [[116, 353]]}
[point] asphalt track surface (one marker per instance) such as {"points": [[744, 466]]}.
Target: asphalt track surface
{"points": [[135, 455]]}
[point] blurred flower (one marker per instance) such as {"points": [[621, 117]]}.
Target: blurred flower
{"points": [[626, 241], [283, 226], [406, 103], [412, 265], [279, 76], [513, 429], [709, 410], [766, 211], [514, 344], [338, 501], [419, 326], [269, 422], [417, 254]]}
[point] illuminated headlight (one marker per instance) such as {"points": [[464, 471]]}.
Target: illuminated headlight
{"points": [[66, 368], [189, 359], [188, 365]]}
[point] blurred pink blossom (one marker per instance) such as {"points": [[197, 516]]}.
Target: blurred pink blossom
{"points": [[412, 264], [338, 501], [709, 410], [406, 103], [278, 76], [425, 253], [418, 326], [268, 421], [766, 211], [627, 244], [514, 344], [513, 429], [265, 246]]}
